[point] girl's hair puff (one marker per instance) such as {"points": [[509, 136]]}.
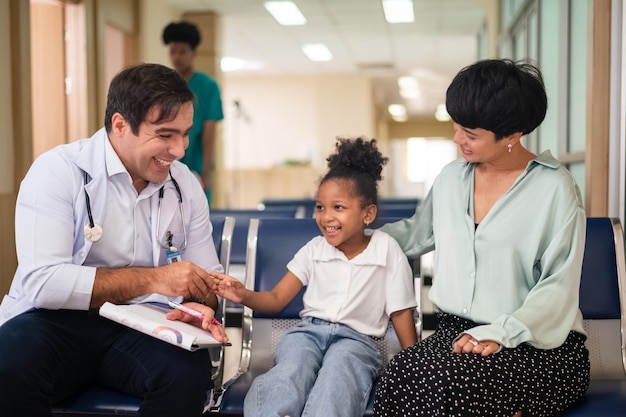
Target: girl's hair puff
{"points": [[360, 161]]}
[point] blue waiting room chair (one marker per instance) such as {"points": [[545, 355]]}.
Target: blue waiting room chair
{"points": [[97, 400], [233, 311], [388, 207], [396, 210], [603, 304], [271, 245], [242, 218], [305, 206]]}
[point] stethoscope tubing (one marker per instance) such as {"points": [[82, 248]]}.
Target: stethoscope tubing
{"points": [[88, 201], [180, 208], [92, 224]]}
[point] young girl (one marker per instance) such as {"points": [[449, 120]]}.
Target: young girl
{"points": [[326, 365]]}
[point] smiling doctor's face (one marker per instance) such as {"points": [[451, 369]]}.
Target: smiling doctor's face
{"points": [[148, 155]]}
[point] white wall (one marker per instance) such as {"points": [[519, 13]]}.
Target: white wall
{"points": [[292, 117], [155, 15]]}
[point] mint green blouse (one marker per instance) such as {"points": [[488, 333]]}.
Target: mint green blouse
{"points": [[518, 272]]}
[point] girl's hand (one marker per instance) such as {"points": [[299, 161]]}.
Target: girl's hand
{"points": [[467, 344], [228, 287]]}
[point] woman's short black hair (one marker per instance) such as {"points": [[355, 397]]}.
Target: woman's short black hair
{"points": [[182, 32], [135, 90], [499, 95], [360, 161]]}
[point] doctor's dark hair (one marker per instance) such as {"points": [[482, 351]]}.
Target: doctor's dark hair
{"points": [[499, 95], [360, 161], [182, 32], [135, 90]]}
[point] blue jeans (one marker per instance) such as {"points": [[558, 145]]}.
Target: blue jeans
{"points": [[322, 369], [49, 355]]}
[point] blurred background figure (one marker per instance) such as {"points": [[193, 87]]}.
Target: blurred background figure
{"points": [[182, 38]]}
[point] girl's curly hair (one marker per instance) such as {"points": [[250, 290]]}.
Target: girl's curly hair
{"points": [[360, 161]]}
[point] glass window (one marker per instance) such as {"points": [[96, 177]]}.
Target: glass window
{"points": [[522, 43], [553, 35], [423, 159], [577, 100], [533, 36]]}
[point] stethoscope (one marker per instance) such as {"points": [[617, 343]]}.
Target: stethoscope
{"points": [[93, 231]]}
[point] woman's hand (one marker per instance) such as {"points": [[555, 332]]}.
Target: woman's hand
{"points": [[467, 344]]}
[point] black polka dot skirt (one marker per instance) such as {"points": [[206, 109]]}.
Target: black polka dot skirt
{"points": [[429, 380]]}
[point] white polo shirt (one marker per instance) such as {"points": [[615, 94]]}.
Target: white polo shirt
{"points": [[361, 292]]}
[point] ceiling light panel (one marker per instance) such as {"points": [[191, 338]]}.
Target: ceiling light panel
{"points": [[398, 112], [441, 114], [285, 12], [408, 87], [317, 52], [398, 11]]}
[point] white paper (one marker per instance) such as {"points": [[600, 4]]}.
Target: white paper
{"points": [[150, 319]]}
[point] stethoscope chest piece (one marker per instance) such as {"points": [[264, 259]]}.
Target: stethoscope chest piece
{"points": [[93, 233]]}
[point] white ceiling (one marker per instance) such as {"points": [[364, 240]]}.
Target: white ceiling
{"points": [[442, 40]]}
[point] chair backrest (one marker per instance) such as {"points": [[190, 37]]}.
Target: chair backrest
{"points": [[304, 206], [387, 207], [248, 214], [240, 233], [603, 297], [396, 210], [272, 243], [390, 201], [401, 207], [222, 239], [223, 229]]}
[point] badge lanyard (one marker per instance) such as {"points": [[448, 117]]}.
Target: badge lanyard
{"points": [[172, 253]]}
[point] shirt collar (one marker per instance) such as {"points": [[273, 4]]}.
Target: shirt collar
{"points": [[374, 254], [114, 166], [113, 162], [545, 158]]}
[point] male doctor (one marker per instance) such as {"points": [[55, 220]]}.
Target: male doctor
{"points": [[111, 218]]}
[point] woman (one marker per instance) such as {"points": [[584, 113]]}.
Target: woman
{"points": [[509, 229]]}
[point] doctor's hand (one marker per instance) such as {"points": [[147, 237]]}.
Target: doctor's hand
{"points": [[207, 323], [182, 278]]}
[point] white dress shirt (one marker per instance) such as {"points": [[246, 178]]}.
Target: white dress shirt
{"points": [[57, 265], [361, 292]]}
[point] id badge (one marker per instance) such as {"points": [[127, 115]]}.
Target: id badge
{"points": [[173, 255]]}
